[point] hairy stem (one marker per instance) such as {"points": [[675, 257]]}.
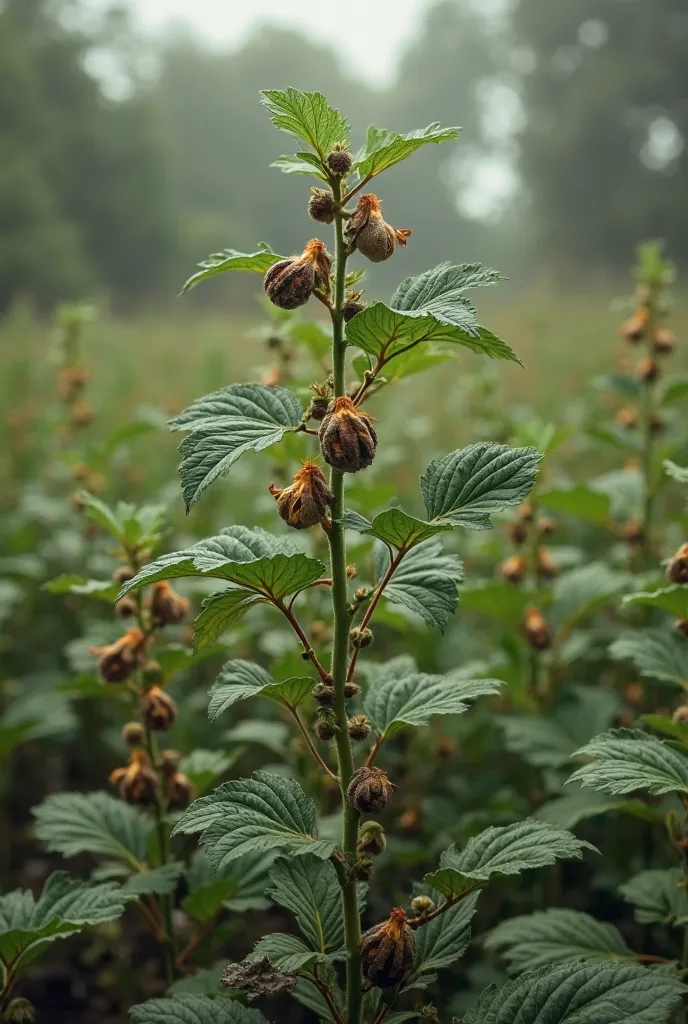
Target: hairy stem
{"points": [[341, 624], [647, 426]]}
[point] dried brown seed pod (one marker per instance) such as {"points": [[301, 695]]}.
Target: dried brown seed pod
{"points": [[167, 607], [132, 734], [169, 761], [546, 526], [125, 608], [525, 512], [158, 710], [258, 978], [627, 418], [518, 532], [291, 282], [178, 790], [422, 905], [648, 369], [351, 690], [117, 661], [322, 206], [359, 727], [387, 951], [137, 782], [123, 574], [339, 160], [513, 569], [664, 341], [680, 715], [536, 629], [361, 638], [347, 437], [325, 725], [368, 232], [547, 568], [677, 567], [369, 790], [362, 868], [325, 696], [635, 327], [372, 840], [632, 532], [71, 380], [350, 309], [306, 501]]}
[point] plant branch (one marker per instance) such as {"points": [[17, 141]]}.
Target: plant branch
{"points": [[418, 922], [307, 648], [393, 566], [352, 192], [311, 745]]}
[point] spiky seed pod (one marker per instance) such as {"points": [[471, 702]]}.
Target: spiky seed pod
{"points": [[178, 789], [123, 574], [167, 607], [339, 159], [368, 232], [137, 782], [422, 905], [664, 341], [317, 410], [648, 369], [536, 629], [513, 569], [546, 526], [362, 594], [627, 418], [350, 309], [677, 568], [369, 790], [680, 715], [291, 282], [306, 501], [362, 869], [347, 437], [372, 840], [361, 638], [547, 568], [117, 661], [681, 627], [321, 206], [325, 696], [132, 734], [325, 725], [387, 951], [351, 690], [158, 710], [359, 727], [518, 532], [635, 327]]}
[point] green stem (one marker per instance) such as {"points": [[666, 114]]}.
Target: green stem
{"points": [[340, 648], [648, 410], [168, 948]]}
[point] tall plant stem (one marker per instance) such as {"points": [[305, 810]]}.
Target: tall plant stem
{"points": [[169, 952], [340, 648], [647, 426]]}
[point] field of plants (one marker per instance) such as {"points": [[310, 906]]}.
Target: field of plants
{"points": [[377, 710]]}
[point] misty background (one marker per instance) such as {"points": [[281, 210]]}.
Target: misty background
{"points": [[132, 142]]}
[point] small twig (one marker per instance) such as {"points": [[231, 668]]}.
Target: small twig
{"points": [[357, 188], [196, 941], [393, 566], [418, 922], [326, 994], [370, 761], [307, 648], [311, 745]]}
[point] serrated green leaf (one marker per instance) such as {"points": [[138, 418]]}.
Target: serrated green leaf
{"points": [[192, 1009], [162, 880], [437, 291], [300, 163], [308, 116], [569, 810], [505, 850], [309, 888], [239, 680], [395, 527], [265, 812], [656, 653], [393, 702], [624, 760], [416, 360], [672, 599], [583, 591], [203, 767], [676, 472], [556, 936], [239, 887], [64, 907], [386, 333], [384, 149], [466, 487], [73, 823], [104, 590], [231, 259], [425, 582], [659, 897], [443, 940], [289, 953], [219, 612], [253, 559], [225, 424], [667, 727], [675, 390], [126, 523], [580, 500], [580, 994]]}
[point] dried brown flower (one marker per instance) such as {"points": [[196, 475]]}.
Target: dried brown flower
{"points": [[369, 790], [536, 629], [138, 781], [347, 437], [368, 232], [339, 159], [117, 661], [677, 568], [635, 327], [387, 951], [167, 607], [306, 501], [158, 710], [322, 206], [513, 569], [291, 282]]}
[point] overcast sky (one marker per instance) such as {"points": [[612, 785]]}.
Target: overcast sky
{"points": [[228, 22]]}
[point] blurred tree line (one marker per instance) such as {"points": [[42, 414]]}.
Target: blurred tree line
{"points": [[124, 189]]}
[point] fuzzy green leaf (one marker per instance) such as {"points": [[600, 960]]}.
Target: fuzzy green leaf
{"points": [[659, 897], [580, 994], [230, 259], [254, 559], [309, 888], [395, 527], [656, 653], [239, 680], [73, 823], [300, 163], [624, 760], [265, 812], [104, 590], [308, 116], [672, 599], [203, 767], [443, 940], [384, 149], [583, 591], [289, 953], [225, 424], [219, 612], [426, 581], [162, 880], [500, 601], [581, 501], [194, 1009], [569, 810], [466, 487], [440, 291], [556, 936]]}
